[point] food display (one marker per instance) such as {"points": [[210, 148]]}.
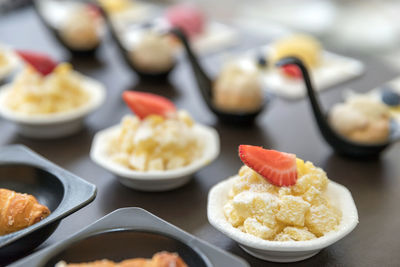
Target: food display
{"points": [[279, 197], [362, 119], [238, 90], [160, 259], [46, 87], [158, 138], [18, 211]]}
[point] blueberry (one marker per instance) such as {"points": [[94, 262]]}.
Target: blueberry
{"points": [[390, 97], [261, 61]]}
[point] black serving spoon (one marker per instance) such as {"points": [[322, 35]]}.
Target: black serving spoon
{"points": [[125, 53], [205, 85], [56, 33], [339, 143]]}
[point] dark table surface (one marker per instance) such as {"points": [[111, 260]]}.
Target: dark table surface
{"points": [[285, 125]]}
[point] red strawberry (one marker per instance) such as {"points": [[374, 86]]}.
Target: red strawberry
{"points": [[145, 104], [41, 62], [278, 168], [292, 71]]}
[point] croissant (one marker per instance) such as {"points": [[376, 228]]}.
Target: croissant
{"points": [[18, 211], [161, 259]]}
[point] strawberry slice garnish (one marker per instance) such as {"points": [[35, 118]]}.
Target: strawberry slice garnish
{"points": [[145, 104], [292, 71], [278, 168], [42, 63]]}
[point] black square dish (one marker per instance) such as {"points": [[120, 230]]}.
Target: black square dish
{"points": [[62, 192], [130, 233]]}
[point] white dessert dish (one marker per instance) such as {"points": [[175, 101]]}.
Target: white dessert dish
{"points": [[282, 251], [56, 124], [154, 180]]}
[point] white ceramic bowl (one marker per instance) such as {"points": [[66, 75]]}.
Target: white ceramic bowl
{"points": [[278, 251], [57, 124], [154, 180]]}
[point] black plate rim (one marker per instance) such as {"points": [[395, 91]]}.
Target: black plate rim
{"points": [[133, 218], [82, 191]]}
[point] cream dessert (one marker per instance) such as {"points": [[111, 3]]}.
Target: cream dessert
{"points": [[188, 18], [81, 30], [152, 53], [33, 93], [238, 90], [279, 197], [158, 138], [362, 119]]}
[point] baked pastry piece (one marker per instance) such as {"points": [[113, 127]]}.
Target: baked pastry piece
{"points": [[18, 211], [161, 259]]}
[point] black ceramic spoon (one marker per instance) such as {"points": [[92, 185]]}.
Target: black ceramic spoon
{"points": [[126, 54], [339, 143], [56, 33], [205, 85]]}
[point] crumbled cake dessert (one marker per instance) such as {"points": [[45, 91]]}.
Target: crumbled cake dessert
{"points": [[158, 138], [299, 211], [59, 91]]}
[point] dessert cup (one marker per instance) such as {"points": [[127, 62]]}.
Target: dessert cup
{"points": [[154, 180], [282, 251], [57, 124]]}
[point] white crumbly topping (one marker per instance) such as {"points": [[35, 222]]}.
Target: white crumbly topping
{"points": [[156, 143], [295, 213], [59, 91]]}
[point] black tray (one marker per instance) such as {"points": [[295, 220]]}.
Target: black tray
{"points": [[129, 233], [62, 192]]}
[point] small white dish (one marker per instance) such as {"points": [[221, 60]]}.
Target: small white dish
{"points": [[154, 180], [12, 62], [278, 251], [334, 69], [57, 124]]}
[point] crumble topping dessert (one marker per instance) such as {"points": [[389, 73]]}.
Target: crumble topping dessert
{"points": [[298, 211], [158, 138], [35, 93]]}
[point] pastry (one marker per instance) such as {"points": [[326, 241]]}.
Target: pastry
{"points": [[279, 197], [158, 138], [18, 211], [44, 87], [152, 53], [361, 119], [237, 90], [161, 259]]}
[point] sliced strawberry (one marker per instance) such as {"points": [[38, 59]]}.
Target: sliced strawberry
{"points": [[278, 168], [292, 71], [41, 62], [145, 104]]}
